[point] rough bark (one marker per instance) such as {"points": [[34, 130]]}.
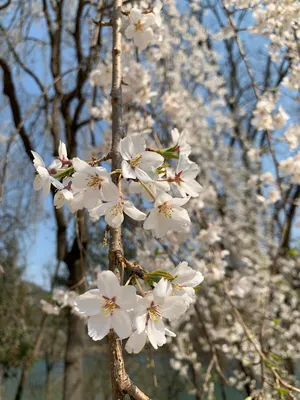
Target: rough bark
{"points": [[75, 260], [121, 383]]}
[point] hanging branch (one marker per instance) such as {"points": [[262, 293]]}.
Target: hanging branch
{"points": [[121, 383]]}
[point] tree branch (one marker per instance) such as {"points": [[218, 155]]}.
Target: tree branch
{"points": [[9, 91], [121, 383]]}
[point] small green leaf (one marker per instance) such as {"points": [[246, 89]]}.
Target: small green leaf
{"points": [[168, 153], [156, 276], [282, 390], [246, 362], [293, 252], [66, 172]]}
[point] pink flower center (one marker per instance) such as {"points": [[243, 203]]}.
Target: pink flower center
{"points": [[109, 306], [139, 26], [94, 181], [154, 312]]}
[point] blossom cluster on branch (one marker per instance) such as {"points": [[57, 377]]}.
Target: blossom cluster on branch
{"points": [[85, 185]]}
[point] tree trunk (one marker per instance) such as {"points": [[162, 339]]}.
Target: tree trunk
{"points": [[73, 382], [75, 260], [30, 359], [1, 382]]}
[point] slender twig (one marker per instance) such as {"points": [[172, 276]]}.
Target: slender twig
{"points": [[121, 383], [252, 339]]}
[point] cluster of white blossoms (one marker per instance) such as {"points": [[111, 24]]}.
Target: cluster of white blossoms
{"points": [[139, 318], [142, 25], [60, 299], [264, 116], [148, 172]]}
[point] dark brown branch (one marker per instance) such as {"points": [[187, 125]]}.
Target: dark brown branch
{"points": [[10, 92], [5, 5]]}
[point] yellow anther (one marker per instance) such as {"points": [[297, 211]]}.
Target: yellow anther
{"points": [[166, 209]]}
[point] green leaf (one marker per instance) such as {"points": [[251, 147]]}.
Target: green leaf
{"points": [[293, 252], [197, 288], [168, 153], [66, 172], [156, 276], [282, 390], [246, 362]]}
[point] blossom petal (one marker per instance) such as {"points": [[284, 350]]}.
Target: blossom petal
{"points": [[173, 307], [135, 15], [162, 198], [150, 222], [127, 297], [38, 182], [192, 188], [156, 333], [169, 333], [121, 323], [178, 202], [127, 148], [89, 303], [97, 212], [46, 187], [142, 175], [114, 216], [127, 171], [37, 159], [133, 212], [136, 342], [141, 320], [108, 284], [62, 150], [163, 288], [138, 143], [152, 158], [79, 165], [98, 326], [148, 20], [110, 191], [130, 31], [142, 39]]}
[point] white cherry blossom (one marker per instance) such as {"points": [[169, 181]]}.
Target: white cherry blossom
{"points": [[49, 308], [167, 215], [149, 314], [184, 178], [107, 307], [115, 208], [138, 163], [180, 141], [139, 28], [157, 13], [62, 157], [61, 197], [43, 179], [91, 180], [101, 75], [186, 279]]}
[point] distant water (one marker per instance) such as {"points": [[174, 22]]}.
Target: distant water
{"points": [[96, 377]]}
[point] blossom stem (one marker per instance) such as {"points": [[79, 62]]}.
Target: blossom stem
{"points": [[148, 190], [117, 171], [139, 286]]}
